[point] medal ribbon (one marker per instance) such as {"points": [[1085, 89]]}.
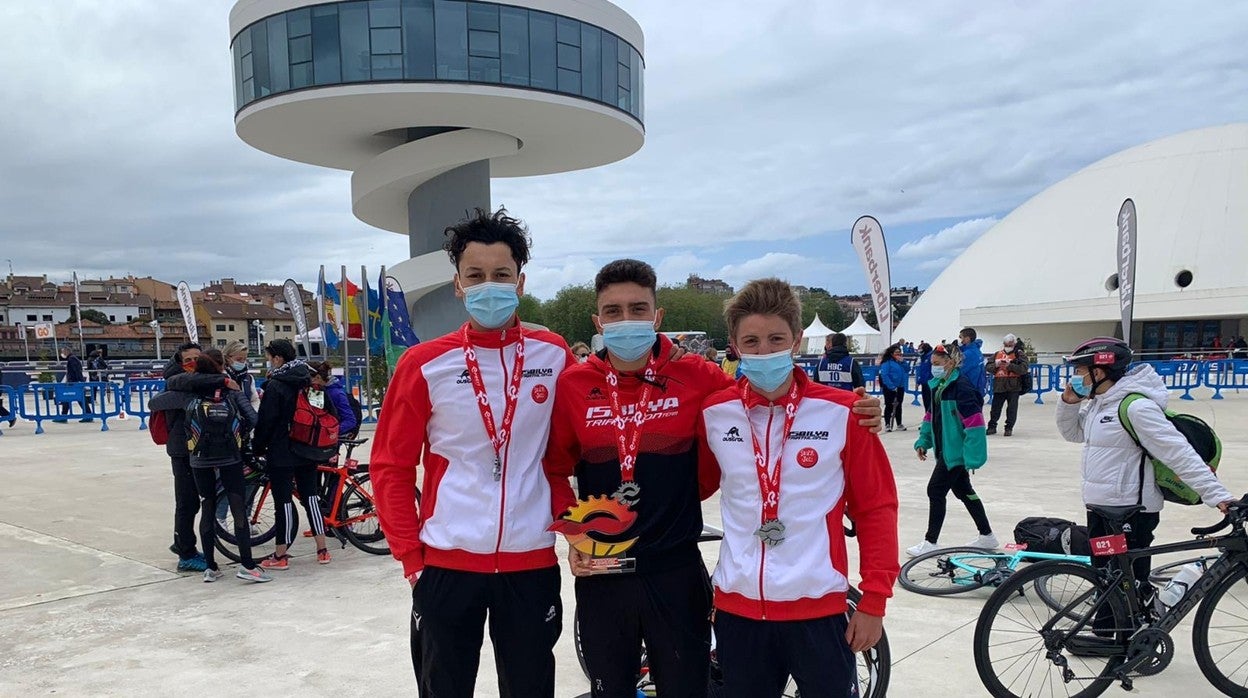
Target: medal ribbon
{"points": [[498, 437], [769, 483], [628, 441]]}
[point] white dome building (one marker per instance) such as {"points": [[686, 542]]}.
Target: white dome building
{"points": [[1047, 272]]}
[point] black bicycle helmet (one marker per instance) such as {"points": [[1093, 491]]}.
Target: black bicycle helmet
{"points": [[1107, 353]]}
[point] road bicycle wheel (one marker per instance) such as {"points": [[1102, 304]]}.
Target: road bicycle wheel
{"points": [[945, 571], [1012, 647], [1162, 574], [874, 665], [263, 521], [358, 512], [1220, 635]]}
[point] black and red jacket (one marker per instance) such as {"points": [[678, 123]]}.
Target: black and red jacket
{"points": [[583, 443]]}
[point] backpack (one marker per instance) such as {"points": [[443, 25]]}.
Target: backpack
{"points": [[1042, 534], [1198, 434], [314, 430], [1025, 381], [357, 409], [158, 427], [213, 429]]}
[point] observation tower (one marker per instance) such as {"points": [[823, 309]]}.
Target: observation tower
{"points": [[425, 100]]}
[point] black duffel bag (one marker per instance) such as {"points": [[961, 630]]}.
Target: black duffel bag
{"points": [[1044, 534]]}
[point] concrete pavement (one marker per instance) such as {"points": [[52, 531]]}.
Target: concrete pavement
{"points": [[91, 605]]}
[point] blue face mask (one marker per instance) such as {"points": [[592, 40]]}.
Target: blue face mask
{"points": [[628, 340], [938, 371], [491, 304], [238, 366], [1080, 385], [767, 371]]}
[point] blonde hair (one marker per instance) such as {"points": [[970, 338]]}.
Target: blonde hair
{"points": [[233, 348], [764, 297]]}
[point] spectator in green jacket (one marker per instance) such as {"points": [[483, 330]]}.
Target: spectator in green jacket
{"points": [[954, 432]]}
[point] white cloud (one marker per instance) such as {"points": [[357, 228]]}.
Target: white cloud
{"points": [[948, 242], [794, 268], [544, 281], [937, 264]]}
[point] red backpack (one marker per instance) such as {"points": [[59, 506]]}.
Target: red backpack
{"points": [[158, 428], [314, 430]]}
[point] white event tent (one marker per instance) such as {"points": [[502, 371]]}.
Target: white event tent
{"points": [[813, 336]]}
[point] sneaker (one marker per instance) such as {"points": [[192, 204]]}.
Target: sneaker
{"points": [[322, 556], [992, 429], [225, 525], [888, 428], [273, 562], [1009, 431], [901, 427], [255, 574], [925, 546], [193, 564], [989, 541], [212, 575], [12, 422]]}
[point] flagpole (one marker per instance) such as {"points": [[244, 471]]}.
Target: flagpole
{"points": [[384, 300], [82, 342], [366, 322], [346, 330]]}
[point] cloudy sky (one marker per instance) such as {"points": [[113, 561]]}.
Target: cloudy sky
{"points": [[770, 127]]}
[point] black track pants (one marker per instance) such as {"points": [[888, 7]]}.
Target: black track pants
{"points": [[449, 615], [668, 610], [233, 486], [757, 657], [185, 506]]}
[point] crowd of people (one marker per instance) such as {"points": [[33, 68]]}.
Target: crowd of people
{"points": [[497, 437], [219, 424]]}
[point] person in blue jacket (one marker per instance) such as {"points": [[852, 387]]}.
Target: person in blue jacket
{"points": [[893, 376], [973, 359], [923, 375], [348, 424]]}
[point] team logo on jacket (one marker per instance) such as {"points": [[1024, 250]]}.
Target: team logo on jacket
{"points": [[595, 526], [733, 434], [807, 457], [595, 394], [1107, 419], [539, 373], [808, 435], [540, 393], [659, 408], [463, 378]]}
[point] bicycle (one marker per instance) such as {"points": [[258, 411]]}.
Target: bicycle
{"points": [[1102, 626], [958, 570], [347, 504], [874, 665]]}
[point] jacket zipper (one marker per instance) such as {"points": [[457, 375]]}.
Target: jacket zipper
{"points": [[502, 458], [762, 564]]}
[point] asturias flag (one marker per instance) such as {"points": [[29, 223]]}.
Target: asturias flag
{"points": [[329, 328], [376, 340]]}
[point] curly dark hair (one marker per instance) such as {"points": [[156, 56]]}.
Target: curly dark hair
{"points": [[489, 228]]}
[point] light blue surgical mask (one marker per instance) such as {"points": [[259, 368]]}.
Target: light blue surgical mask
{"points": [[938, 372], [239, 366], [1080, 385], [628, 340], [767, 371], [491, 304]]}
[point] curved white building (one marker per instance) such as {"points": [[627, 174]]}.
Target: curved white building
{"points": [[425, 100], [1047, 271]]}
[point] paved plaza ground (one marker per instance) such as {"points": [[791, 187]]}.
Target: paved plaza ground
{"points": [[90, 604]]}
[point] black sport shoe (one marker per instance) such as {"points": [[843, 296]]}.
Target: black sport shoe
{"points": [[1009, 431], [992, 429]]}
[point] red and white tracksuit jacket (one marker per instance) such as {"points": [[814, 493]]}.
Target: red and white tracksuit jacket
{"points": [[466, 520], [830, 466]]}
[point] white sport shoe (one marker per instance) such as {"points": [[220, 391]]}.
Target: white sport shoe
{"points": [[925, 546], [211, 575], [989, 541]]}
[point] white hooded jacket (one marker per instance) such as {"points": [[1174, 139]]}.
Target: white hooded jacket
{"points": [[1111, 460]]}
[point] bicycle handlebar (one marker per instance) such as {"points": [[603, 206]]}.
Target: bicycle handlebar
{"points": [[1210, 530], [1237, 512]]}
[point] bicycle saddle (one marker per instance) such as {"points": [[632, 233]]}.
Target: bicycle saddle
{"points": [[352, 442], [1115, 513]]}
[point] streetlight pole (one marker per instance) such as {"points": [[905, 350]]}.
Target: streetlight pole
{"points": [[25, 342], [156, 330], [259, 334]]}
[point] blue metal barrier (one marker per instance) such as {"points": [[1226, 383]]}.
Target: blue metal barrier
{"points": [[138, 394], [870, 376], [82, 401], [1041, 380], [1227, 374], [1180, 375]]}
